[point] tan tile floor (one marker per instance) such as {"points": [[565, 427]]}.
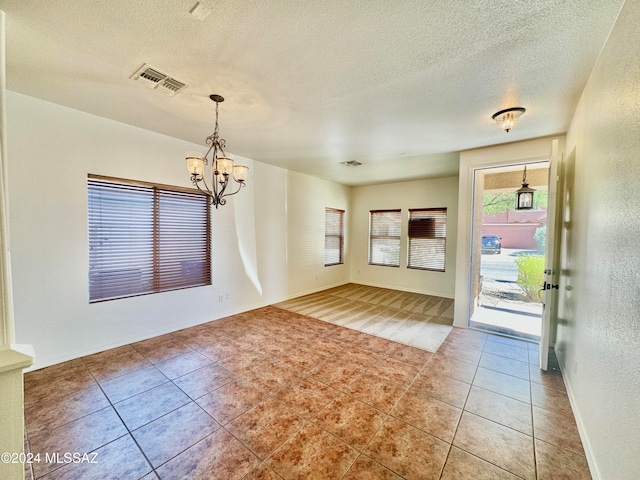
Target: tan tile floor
{"points": [[272, 394]]}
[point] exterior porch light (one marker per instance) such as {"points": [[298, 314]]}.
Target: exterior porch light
{"points": [[524, 195]]}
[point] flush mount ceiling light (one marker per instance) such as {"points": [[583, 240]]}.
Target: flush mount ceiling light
{"points": [[524, 195], [508, 118], [222, 166], [351, 163]]}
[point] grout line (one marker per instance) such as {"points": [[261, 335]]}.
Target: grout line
{"points": [[123, 423], [28, 442]]}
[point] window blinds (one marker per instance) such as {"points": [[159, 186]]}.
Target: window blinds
{"points": [[384, 237], [333, 237], [427, 238], [145, 238]]}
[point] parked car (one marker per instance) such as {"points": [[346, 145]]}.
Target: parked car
{"points": [[491, 243]]}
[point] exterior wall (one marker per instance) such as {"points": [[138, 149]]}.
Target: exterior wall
{"points": [[514, 236], [517, 229]]}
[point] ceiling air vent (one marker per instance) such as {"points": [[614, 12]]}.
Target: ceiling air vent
{"points": [[154, 78], [171, 86]]}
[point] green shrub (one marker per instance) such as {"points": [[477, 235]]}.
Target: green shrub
{"points": [[540, 237], [531, 275]]}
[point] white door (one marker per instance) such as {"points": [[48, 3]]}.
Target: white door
{"points": [[549, 299]]}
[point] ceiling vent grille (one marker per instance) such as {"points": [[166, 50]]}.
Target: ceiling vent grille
{"points": [[171, 85], [154, 78]]}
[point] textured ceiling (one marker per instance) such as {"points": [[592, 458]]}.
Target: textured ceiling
{"points": [[400, 86]]}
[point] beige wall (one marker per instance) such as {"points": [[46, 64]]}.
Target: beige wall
{"points": [[440, 192], [598, 342], [266, 246], [13, 358], [306, 204]]}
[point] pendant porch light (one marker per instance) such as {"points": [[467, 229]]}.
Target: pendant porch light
{"points": [[524, 195]]}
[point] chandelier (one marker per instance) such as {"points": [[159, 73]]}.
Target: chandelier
{"points": [[222, 170]]}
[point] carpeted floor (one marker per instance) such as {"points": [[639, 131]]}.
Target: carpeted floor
{"points": [[414, 319]]}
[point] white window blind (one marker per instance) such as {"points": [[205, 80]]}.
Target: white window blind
{"points": [[384, 238], [427, 238], [145, 238], [333, 237]]}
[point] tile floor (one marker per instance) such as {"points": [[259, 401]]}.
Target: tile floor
{"points": [[272, 394]]}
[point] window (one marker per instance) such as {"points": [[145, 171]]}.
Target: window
{"points": [[333, 237], [145, 238], [427, 237], [384, 238]]}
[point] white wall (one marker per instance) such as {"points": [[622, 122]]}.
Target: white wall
{"points": [[306, 205], [511, 153], [598, 342], [13, 358], [257, 238], [433, 193]]}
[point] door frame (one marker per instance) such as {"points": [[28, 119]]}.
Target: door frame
{"points": [[499, 155], [552, 242], [477, 230]]}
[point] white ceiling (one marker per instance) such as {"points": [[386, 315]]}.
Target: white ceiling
{"points": [[401, 86]]}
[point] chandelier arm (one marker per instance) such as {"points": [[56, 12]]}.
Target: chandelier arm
{"points": [[196, 183], [240, 185], [214, 170], [224, 186], [214, 179], [210, 148], [210, 198], [206, 190], [213, 192]]}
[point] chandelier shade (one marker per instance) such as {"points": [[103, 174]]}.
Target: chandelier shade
{"points": [[195, 164]]}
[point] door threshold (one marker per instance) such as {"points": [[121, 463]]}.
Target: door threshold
{"points": [[504, 332]]}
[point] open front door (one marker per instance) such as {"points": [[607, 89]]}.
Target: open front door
{"points": [[550, 296]]}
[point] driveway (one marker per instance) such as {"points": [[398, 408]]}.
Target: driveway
{"points": [[501, 267]]}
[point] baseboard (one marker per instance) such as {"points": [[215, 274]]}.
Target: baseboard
{"points": [[307, 292], [108, 346], [591, 461], [403, 289]]}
